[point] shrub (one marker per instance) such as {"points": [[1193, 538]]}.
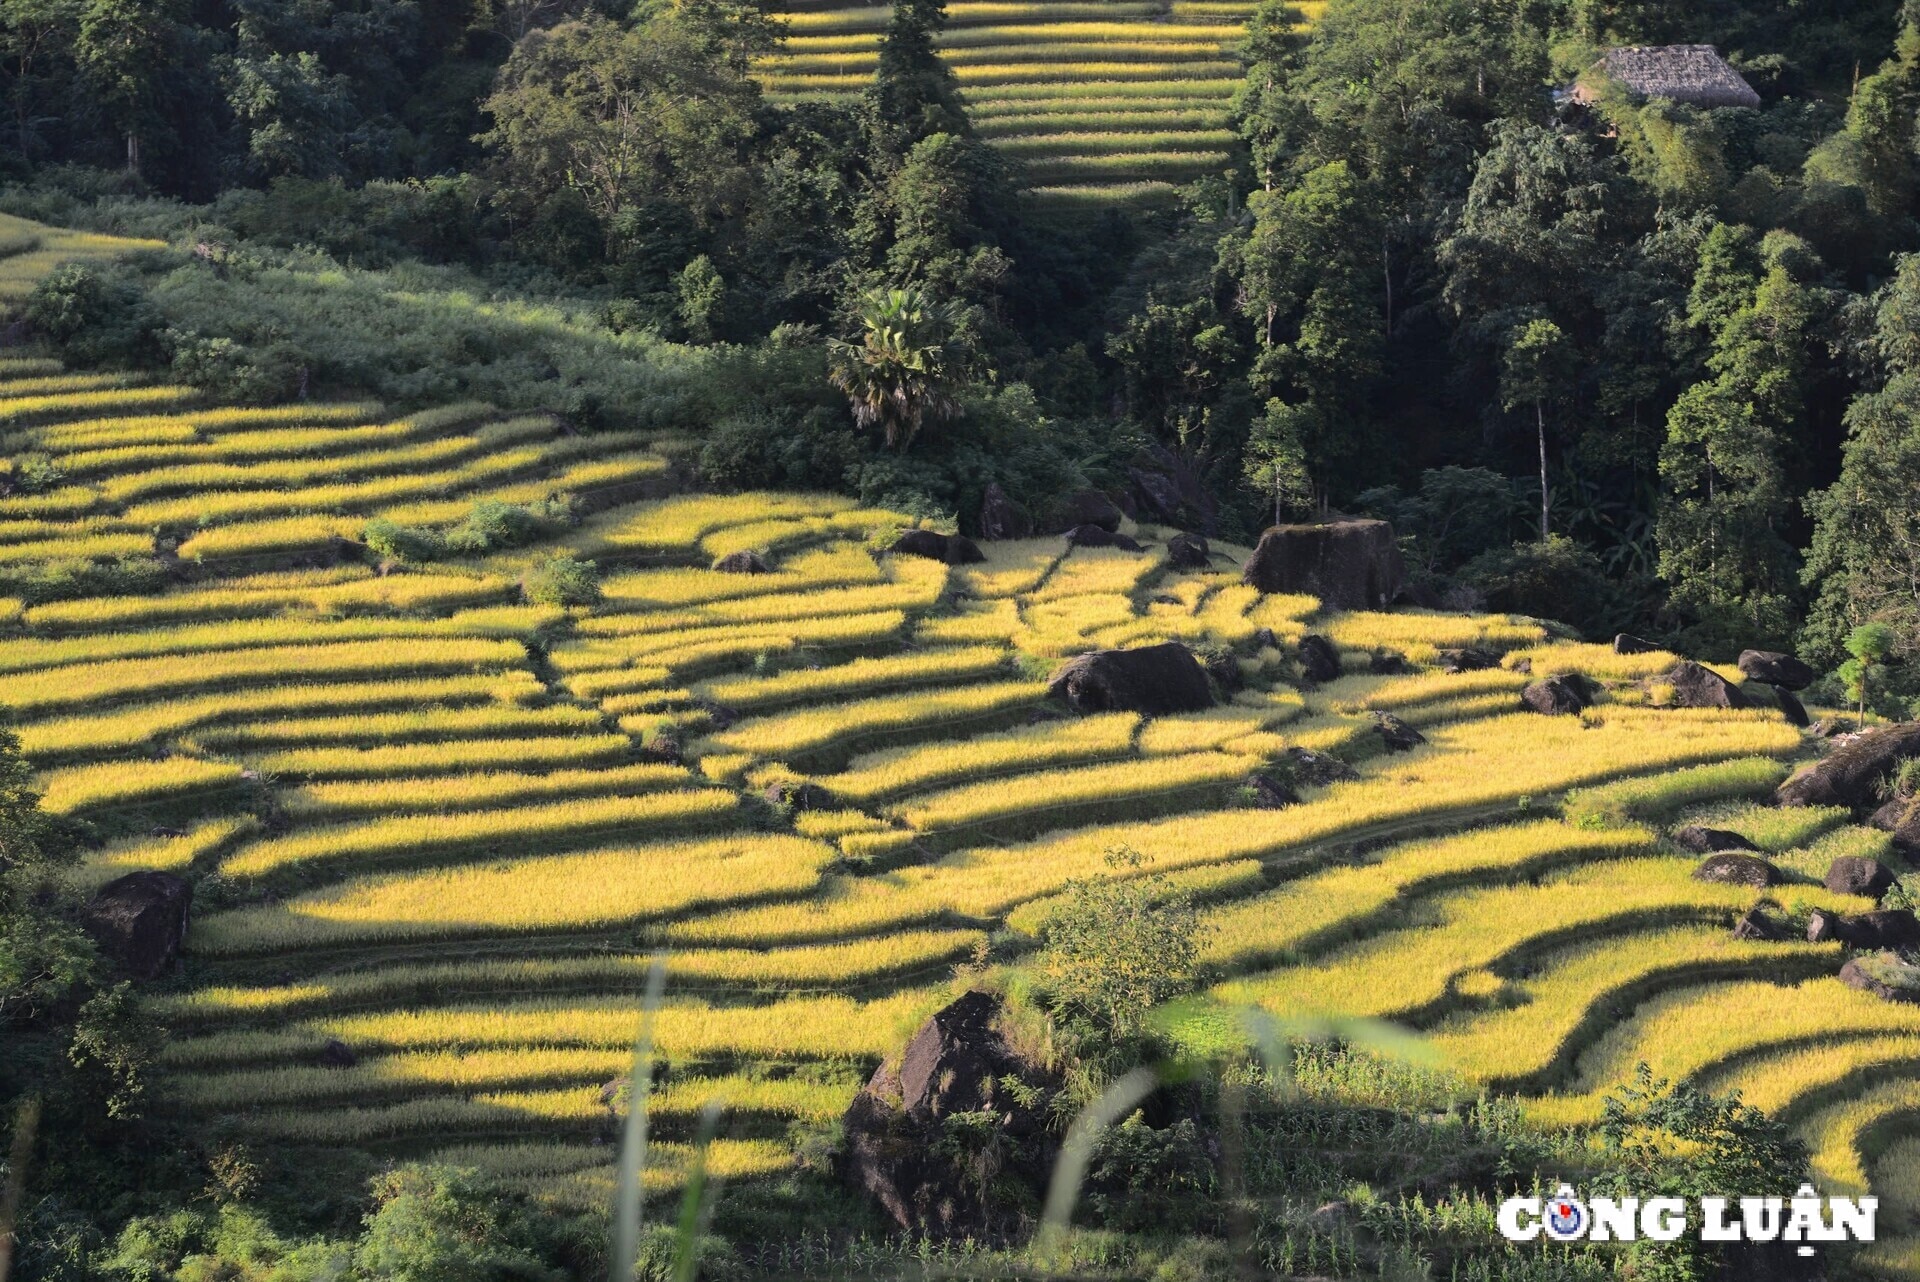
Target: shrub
{"points": [[1117, 947], [96, 314], [1559, 579], [562, 580], [403, 542], [234, 371]]}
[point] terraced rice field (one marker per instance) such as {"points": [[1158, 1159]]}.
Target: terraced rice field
{"points": [[1103, 104], [438, 832]]}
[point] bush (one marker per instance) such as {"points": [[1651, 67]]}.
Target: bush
{"points": [[1559, 579], [561, 580], [235, 372], [70, 580], [492, 525], [403, 542], [97, 314]]}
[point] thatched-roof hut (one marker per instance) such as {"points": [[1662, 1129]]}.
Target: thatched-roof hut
{"points": [[1694, 74]]}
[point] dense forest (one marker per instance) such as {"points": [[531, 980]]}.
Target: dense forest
{"points": [[1623, 364]]}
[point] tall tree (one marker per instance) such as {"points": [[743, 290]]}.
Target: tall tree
{"points": [[1721, 530], [914, 94], [124, 49], [624, 117], [899, 375], [1535, 371], [1865, 559]]}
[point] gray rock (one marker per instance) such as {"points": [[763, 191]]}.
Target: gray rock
{"points": [[1554, 697], [1471, 658], [1096, 536], [1791, 707], [1349, 565], [1734, 869], [1001, 517], [743, 563], [1396, 734], [1091, 507], [1268, 793], [1698, 687], [1319, 660], [140, 921], [1858, 875], [1771, 667], [1701, 840], [953, 549], [1850, 775], [1188, 552], [1155, 680], [1627, 643]]}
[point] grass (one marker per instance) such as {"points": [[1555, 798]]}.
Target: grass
{"points": [[576, 751], [414, 836], [398, 592], [849, 962], [818, 732], [1660, 796], [1406, 970], [878, 776], [128, 726], [124, 784], [578, 891], [831, 1027], [1688, 1032], [1513, 1047], [861, 676], [1301, 915], [199, 844], [473, 790], [79, 685], [1032, 800], [25, 654]]}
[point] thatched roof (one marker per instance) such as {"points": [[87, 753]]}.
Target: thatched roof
{"points": [[1694, 74]]}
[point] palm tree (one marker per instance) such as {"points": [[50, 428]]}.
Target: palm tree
{"points": [[897, 376]]}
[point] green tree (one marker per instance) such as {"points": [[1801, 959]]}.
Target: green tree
{"points": [[1118, 946], [1723, 550], [1535, 371], [1868, 646], [624, 117], [898, 376], [124, 49], [1276, 461], [1306, 279], [914, 94], [1864, 561]]}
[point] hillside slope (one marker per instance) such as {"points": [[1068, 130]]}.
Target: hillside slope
{"points": [[1112, 103], [438, 830]]}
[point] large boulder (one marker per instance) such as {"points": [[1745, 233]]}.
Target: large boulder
{"points": [[1791, 707], [1319, 659], [1770, 667], [1702, 840], [1154, 679], [1756, 923], [139, 921], [1471, 658], [1697, 687], [1099, 536], [1851, 773], [1858, 875], [1188, 552], [1884, 975], [1901, 817], [1001, 517], [954, 549], [898, 1150], [1886, 928], [1734, 869], [743, 563], [1159, 496], [1554, 697], [1091, 507], [1349, 565], [1627, 643]]}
